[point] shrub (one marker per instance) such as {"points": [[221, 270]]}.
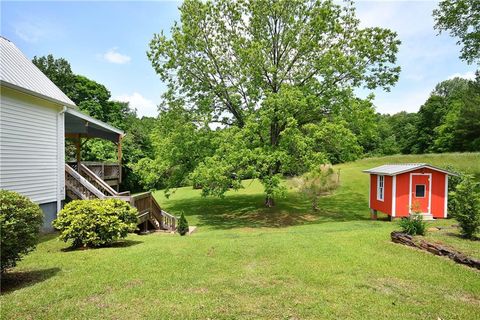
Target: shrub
{"points": [[94, 223], [20, 221], [414, 224], [316, 183], [466, 203], [182, 225]]}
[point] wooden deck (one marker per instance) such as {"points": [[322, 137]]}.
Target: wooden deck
{"points": [[83, 183]]}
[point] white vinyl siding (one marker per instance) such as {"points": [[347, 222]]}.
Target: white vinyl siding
{"points": [[380, 187], [31, 137]]}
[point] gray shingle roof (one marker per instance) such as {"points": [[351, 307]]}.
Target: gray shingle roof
{"points": [[398, 168], [18, 72]]}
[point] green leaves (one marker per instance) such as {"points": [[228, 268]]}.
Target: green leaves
{"points": [[462, 19], [275, 70], [20, 221], [94, 223], [466, 205]]}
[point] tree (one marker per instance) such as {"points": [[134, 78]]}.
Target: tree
{"points": [[269, 68], [462, 19], [178, 146], [317, 183], [58, 71], [466, 204], [439, 128]]}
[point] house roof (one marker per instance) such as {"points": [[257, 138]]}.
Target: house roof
{"points": [[18, 72], [395, 169]]}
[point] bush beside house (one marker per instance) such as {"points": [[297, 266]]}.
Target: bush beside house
{"points": [[20, 221], [95, 223]]}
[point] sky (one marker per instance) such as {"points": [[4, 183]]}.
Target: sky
{"points": [[107, 42]]}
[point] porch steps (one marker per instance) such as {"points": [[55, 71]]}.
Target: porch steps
{"points": [[427, 217], [87, 185]]}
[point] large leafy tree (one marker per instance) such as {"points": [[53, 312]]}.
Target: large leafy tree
{"points": [[266, 69], [462, 19]]}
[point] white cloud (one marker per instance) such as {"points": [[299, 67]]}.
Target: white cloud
{"points": [[144, 106], [470, 75], [32, 30], [116, 57]]}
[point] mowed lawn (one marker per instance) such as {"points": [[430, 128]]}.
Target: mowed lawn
{"points": [[249, 262]]}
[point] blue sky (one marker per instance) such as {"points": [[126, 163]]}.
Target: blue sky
{"points": [[107, 42]]}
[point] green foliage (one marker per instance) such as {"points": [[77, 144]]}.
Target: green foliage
{"points": [[179, 145], [271, 69], [94, 223], [466, 205], [413, 224], [335, 140], [462, 19], [58, 71], [448, 121], [182, 225], [20, 221], [317, 183]]}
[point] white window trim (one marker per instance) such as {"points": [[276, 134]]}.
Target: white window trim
{"points": [[380, 178]]}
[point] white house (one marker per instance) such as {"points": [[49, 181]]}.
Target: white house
{"points": [[35, 117]]}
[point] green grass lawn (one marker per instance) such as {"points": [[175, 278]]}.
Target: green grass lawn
{"points": [[249, 262]]}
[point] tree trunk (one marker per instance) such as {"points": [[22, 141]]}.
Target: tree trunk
{"points": [[269, 203]]}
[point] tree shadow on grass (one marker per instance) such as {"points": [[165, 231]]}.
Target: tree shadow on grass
{"points": [[12, 281], [248, 211], [116, 244]]}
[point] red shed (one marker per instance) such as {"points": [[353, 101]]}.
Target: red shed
{"points": [[397, 188]]}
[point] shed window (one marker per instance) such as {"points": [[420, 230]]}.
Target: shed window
{"points": [[380, 187], [420, 191]]}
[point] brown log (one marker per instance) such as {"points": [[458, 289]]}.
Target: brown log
{"points": [[435, 248]]}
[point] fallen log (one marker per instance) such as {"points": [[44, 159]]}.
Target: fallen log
{"points": [[435, 248]]}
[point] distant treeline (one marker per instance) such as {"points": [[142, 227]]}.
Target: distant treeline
{"points": [[448, 121]]}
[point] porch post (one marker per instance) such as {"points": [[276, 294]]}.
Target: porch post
{"points": [[78, 144], [119, 156]]}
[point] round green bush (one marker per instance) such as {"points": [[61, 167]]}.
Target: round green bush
{"points": [[20, 221], [95, 223]]}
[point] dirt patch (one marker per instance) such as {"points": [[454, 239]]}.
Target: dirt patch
{"points": [[391, 286], [464, 297], [133, 283]]}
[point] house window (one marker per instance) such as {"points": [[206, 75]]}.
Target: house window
{"points": [[380, 187], [420, 191]]}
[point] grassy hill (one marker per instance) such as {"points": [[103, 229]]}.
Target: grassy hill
{"points": [[244, 208], [249, 262]]}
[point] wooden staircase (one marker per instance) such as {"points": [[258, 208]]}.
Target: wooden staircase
{"points": [[85, 184]]}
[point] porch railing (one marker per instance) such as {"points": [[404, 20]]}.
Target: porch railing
{"points": [[107, 171]]}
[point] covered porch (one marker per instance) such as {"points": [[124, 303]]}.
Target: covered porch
{"points": [[98, 180], [81, 127]]}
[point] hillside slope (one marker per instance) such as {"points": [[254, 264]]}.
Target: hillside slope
{"points": [[244, 208]]}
